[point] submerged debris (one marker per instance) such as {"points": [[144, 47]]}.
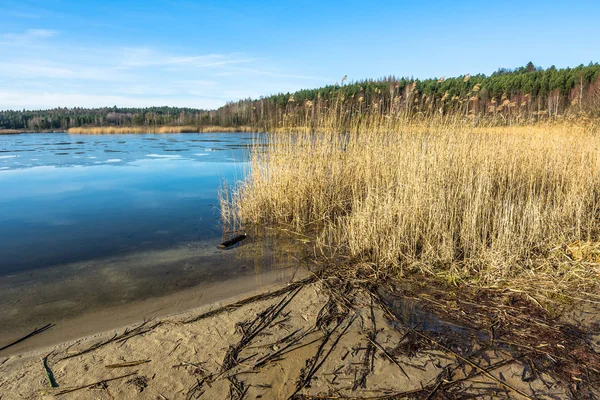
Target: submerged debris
{"points": [[236, 239]]}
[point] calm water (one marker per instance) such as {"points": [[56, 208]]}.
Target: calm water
{"points": [[66, 198], [89, 222]]}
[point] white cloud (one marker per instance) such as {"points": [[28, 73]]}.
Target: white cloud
{"points": [[29, 36], [42, 72], [147, 57], [18, 100], [41, 33], [18, 14], [196, 82], [271, 73]]}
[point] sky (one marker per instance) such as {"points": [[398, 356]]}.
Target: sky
{"points": [[202, 54]]}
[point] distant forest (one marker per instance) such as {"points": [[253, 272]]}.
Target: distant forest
{"points": [[524, 94], [65, 118]]}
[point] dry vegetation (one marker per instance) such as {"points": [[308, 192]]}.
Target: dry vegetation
{"points": [[513, 207], [156, 129]]}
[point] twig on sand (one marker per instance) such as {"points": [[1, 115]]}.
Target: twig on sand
{"points": [[443, 385], [287, 349], [128, 334], [455, 354], [196, 390], [127, 364], [474, 365], [262, 296], [70, 390], [389, 356], [36, 331], [369, 357], [250, 330], [48, 371], [316, 363], [430, 389]]}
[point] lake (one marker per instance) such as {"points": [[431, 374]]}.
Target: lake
{"points": [[97, 231]]}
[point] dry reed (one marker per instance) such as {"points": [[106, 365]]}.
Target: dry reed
{"points": [[103, 130], [490, 207]]}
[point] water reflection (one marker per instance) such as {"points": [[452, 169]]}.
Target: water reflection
{"points": [[88, 203], [93, 223]]}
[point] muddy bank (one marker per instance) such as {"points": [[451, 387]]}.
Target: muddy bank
{"points": [[323, 338]]}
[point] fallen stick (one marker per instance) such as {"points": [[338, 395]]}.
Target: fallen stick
{"points": [[319, 363], [127, 334], [65, 391], [127, 364], [389, 356], [36, 331], [284, 350]]}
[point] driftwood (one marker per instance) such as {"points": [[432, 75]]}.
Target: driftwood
{"points": [[236, 239], [70, 390]]}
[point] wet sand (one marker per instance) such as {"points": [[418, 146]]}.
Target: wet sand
{"points": [[92, 296]]}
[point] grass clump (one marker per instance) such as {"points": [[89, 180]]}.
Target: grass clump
{"points": [[494, 207]]}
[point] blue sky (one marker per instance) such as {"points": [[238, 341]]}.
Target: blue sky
{"points": [[205, 53]]}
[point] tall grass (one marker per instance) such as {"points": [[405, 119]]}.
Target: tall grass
{"points": [[493, 206], [102, 130]]}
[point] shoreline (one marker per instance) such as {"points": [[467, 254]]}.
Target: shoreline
{"points": [[48, 340], [115, 317], [161, 129], [312, 338]]}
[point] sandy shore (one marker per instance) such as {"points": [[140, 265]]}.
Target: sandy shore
{"points": [[114, 317], [83, 298], [301, 341]]}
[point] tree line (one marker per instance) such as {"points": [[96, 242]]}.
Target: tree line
{"points": [[524, 94], [520, 95], [65, 118]]}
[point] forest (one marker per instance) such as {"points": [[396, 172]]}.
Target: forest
{"points": [[508, 96], [65, 118]]}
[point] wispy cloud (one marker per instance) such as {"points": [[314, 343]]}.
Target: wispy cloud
{"points": [[146, 57], [18, 14], [41, 100], [27, 37], [271, 73], [42, 68]]}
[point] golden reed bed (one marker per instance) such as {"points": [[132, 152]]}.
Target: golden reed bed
{"points": [[156, 129], [493, 207]]}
